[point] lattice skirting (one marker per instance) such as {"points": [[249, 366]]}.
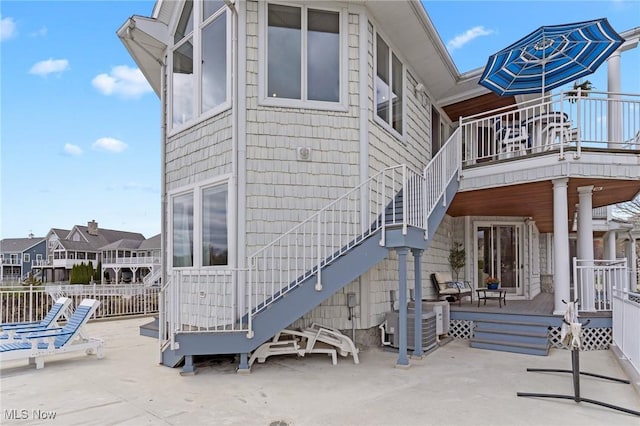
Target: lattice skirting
{"points": [[592, 338], [461, 329]]}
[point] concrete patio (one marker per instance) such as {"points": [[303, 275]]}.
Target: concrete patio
{"points": [[454, 385]]}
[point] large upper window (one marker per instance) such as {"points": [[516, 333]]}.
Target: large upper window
{"points": [[199, 234], [199, 78], [389, 84], [303, 53]]}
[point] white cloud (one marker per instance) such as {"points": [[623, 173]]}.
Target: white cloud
{"points": [[40, 33], [461, 39], [7, 28], [50, 66], [73, 150], [122, 81], [109, 144]]}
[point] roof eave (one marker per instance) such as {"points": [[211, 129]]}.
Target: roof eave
{"points": [[146, 40]]}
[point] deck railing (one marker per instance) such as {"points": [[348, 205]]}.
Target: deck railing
{"points": [[595, 280], [559, 123], [626, 317], [33, 302]]}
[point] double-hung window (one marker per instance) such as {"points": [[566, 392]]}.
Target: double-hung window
{"points": [[304, 62], [200, 62], [389, 87], [199, 227]]}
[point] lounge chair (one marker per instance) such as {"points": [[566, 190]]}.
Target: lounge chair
{"points": [[446, 287], [50, 320], [35, 346], [333, 337]]}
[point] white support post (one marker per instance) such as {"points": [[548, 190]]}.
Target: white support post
{"points": [[585, 246], [561, 276]]}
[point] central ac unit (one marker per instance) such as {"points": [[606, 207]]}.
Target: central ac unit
{"points": [[428, 329], [442, 311]]}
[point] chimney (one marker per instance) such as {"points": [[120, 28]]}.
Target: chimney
{"points": [[93, 227]]}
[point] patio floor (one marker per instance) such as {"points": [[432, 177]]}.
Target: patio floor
{"points": [[453, 385]]}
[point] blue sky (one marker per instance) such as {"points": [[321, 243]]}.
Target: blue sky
{"points": [[80, 128]]}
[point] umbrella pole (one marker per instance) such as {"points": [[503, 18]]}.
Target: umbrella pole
{"points": [[575, 371]]}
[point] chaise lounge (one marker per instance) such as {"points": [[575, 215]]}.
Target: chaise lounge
{"points": [[446, 287], [35, 346], [58, 309]]}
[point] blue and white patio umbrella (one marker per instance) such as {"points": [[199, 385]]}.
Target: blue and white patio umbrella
{"points": [[550, 57]]}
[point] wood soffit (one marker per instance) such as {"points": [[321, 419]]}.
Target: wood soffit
{"points": [[535, 199]]}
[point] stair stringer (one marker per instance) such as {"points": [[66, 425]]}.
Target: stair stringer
{"points": [[300, 300]]}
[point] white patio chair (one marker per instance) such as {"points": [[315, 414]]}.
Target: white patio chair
{"points": [[510, 138], [35, 346], [50, 320]]}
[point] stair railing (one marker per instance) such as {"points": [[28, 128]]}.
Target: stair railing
{"points": [[444, 166], [315, 243]]}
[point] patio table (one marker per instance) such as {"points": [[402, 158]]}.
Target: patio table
{"points": [[498, 294]]}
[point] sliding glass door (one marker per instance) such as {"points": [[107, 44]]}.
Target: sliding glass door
{"points": [[498, 254]]}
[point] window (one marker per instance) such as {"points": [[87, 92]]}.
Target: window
{"points": [[303, 60], [215, 249], [183, 230], [199, 78], [199, 235], [389, 86], [26, 258]]}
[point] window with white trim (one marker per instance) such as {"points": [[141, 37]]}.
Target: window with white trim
{"points": [[199, 227], [304, 52], [389, 87], [200, 83], [26, 258]]}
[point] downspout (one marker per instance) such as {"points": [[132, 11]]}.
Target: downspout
{"points": [[363, 100], [238, 143], [163, 192]]}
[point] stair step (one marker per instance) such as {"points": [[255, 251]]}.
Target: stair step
{"points": [[542, 334], [510, 336], [517, 326], [523, 348]]}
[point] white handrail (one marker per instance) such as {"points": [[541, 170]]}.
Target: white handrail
{"points": [[595, 280], [561, 122]]}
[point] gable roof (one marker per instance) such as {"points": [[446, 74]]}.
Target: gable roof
{"points": [[123, 244], [152, 243], [18, 245], [106, 236]]}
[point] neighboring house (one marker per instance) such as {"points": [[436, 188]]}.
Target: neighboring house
{"points": [[308, 147], [133, 261], [82, 244], [17, 255]]}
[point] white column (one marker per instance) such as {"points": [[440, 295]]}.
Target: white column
{"points": [[585, 247], [631, 264], [561, 261], [614, 116], [610, 245]]}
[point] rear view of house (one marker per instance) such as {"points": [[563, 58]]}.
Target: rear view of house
{"points": [[321, 158]]}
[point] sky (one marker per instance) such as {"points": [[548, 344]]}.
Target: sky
{"points": [[80, 126]]}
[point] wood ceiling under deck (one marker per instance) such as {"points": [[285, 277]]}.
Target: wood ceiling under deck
{"points": [[535, 199]]}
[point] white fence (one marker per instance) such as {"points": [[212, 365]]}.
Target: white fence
{"points": [[626, 323], [32, 303], [595, 280]]}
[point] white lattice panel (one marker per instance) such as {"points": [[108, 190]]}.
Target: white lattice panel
{"points": [[461, 329], [593, 339]]}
